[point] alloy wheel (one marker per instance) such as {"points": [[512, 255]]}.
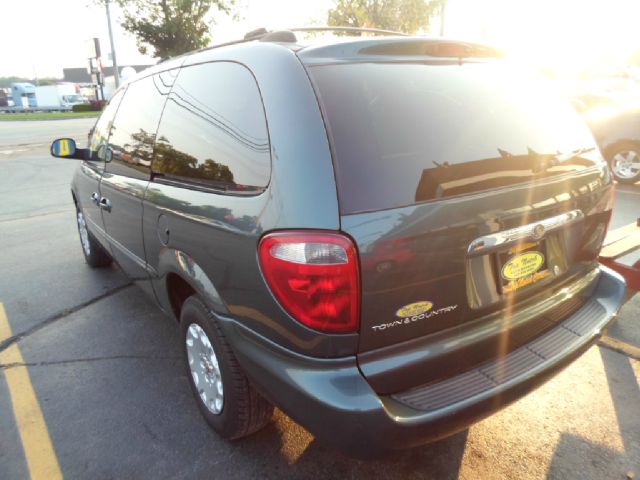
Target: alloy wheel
{"points": [[626, 164], [84, 233], [205, 369]]}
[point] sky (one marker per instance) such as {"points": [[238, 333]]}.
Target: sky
{"points": [[563, 33], [40, 37]]}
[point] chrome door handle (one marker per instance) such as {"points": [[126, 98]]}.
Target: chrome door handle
{"points": [[95, 198], [105, 204]]}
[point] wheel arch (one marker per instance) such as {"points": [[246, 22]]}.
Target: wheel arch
{"points": [[610, 154], [180, 277], [611, 148]]}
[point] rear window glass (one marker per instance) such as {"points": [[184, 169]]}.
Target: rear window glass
{"points": [[403, 134]]}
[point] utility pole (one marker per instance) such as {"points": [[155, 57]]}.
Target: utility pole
{"points": [[35, 74], [444, 6], [113, 50]]}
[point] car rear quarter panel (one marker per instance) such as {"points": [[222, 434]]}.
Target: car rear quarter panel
{"points": [[220, 233]]}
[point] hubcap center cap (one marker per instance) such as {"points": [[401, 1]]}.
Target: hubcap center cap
{"points": [[207, 364]]}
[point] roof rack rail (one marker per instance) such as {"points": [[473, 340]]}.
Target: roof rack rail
{"points": [[288, 36], [348, 29], [255, 34]]}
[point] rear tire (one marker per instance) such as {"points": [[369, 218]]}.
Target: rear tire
{"points": [[624, 160], [236, 409], [94, 254]]}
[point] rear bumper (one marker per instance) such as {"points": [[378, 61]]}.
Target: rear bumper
{"points": [[333, 400]]}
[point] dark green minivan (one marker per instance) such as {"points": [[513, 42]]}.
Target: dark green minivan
{"points": [[389, 238]]}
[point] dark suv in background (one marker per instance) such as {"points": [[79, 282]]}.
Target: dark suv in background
{"points": [[388, 238]]}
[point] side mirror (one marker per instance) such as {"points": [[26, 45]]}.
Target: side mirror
{"points": [[63, 148], [66, 148]]}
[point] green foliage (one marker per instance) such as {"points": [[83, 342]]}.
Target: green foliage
{"points": [[406, 16], [46, 81], [171, 161], [170, 27], [5, 82], [81, 107], [93, 106], [8, 117]]}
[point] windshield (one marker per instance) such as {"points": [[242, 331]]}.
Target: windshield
{"points": [[408, 133]]}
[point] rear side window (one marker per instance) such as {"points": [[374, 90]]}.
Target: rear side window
{"points": [[134, 128], [213, 132], [402, 134]]}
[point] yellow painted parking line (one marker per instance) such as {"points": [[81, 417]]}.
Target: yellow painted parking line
{"points": [[5, 328], [36, 442]]}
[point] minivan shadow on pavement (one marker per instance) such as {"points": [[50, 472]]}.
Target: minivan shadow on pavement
{"points": [[309, 459], [117, 403], [577, 457]]}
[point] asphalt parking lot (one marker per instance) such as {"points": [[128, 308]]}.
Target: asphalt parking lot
{"points": [[92, 385]]}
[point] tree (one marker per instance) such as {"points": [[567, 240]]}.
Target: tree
{"points": [[406, 16], [175, 162], [170, 27], [6, 82]]}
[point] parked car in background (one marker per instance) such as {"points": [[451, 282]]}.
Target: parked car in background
{"points": [[618, 136], [610, 104], [387, 238]]}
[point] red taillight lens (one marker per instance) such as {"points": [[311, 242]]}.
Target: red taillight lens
{"points": [[314, 276]]}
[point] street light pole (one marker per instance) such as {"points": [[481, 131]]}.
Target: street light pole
{"points": [[113, 50]]}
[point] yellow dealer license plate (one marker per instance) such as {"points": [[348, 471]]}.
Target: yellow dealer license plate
{"points": [[521, 265]]}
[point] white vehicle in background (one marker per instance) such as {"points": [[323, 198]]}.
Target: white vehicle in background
{"points": [[58, 97]]}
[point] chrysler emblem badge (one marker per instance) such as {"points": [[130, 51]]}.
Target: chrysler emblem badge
{"points": [[538, 231]]}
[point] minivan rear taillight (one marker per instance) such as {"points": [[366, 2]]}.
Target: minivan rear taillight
{"points": [[314, 276]]}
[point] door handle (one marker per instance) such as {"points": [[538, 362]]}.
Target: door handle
{"points": [[95, 198], [105, 204]]}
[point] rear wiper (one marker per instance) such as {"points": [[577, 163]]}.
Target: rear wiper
{"points": [[542, 161], [564, 157]]}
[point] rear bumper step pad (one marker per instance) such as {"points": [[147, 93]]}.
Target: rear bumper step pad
{"points": [[557, 341]]}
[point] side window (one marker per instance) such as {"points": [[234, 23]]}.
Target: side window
{"points": [[213, 132], [101, 129], [133, 132]]}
